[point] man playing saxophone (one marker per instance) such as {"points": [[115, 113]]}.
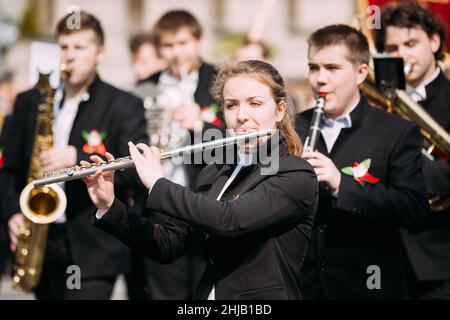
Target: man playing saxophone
{"points": [[412, 32], [91, 117]]}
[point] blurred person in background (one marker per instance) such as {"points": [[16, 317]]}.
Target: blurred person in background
{"points": [[145, 58], [253, 50], [184, 85]]}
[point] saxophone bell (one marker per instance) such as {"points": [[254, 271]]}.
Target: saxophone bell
{"points": [[43, 205]]}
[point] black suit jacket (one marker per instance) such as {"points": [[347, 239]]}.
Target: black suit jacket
{"points": [[255, 241], [361, 227], [4, 237], [429, 248], [109, 110]]}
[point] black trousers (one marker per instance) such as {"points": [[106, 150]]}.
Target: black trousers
{"points": [[53, 284]]}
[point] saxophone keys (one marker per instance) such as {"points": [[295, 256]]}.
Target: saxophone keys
{"points": [[16, 279]]}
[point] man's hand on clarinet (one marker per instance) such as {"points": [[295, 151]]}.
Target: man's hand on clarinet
{"points": [[325, 169]]}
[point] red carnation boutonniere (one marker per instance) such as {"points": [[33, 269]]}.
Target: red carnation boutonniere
{"points": [[360, 172], [2, 158], [209, 114], [94, 142]]}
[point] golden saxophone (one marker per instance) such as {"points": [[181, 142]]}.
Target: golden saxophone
{"points": [[42, 205]]}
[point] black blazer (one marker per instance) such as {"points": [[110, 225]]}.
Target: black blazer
{"points": [[361, 227], [117, 114], [4, 237], [429, 248], [255, 242]]}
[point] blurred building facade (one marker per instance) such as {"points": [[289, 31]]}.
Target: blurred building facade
{"points": [[289, 23]]}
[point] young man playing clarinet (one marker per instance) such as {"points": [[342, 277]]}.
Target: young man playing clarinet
{"points": [[369, 167]]}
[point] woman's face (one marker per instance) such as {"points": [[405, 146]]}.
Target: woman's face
{"points": [[249, 106]]}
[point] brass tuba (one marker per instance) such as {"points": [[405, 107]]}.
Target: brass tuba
{"points": [[437, 138], [40, 206]]}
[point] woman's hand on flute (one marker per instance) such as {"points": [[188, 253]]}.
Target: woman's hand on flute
{"points": [[100, 185], [148, 164]]}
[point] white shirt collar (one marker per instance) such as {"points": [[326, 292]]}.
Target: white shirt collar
{"points": [[167, 79], [245, 159], [419, 93], [345, 120]]}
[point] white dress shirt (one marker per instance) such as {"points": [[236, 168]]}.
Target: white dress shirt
{"points": [[330, 130], [419, 93], [64, 118]]}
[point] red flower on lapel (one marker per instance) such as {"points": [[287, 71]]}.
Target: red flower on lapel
{"points": [[2, 158], [360, 172], [94, 142]]}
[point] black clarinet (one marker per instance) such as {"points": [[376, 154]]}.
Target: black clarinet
{"points": [[314, 129]]}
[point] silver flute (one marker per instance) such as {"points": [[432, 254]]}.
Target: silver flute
{"points": [[78, 172]]}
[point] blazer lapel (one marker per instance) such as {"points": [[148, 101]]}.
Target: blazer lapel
{"points": [[220, 180]]}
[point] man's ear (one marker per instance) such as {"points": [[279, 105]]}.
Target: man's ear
{"points": [[363, 71], [435, 42], [101, 53]]}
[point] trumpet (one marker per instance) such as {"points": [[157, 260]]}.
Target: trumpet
{"points": [[78, 172]]}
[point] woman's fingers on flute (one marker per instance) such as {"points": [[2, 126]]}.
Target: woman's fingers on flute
{"points": [[149, 151], [85, 163], [145, 149], [134, 152], [109, 156], [155, 151], [96, 159]]}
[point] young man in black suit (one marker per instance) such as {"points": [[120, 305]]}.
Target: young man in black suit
{"points": [[369, 167], [184, 84], [178, 36], [91, 117], [412, 32]]}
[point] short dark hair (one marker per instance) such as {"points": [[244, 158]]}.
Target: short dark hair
{"points": [[341, 34], [267, 51], [173, 21], [87, 22], [140, 39], [410, 15]]}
